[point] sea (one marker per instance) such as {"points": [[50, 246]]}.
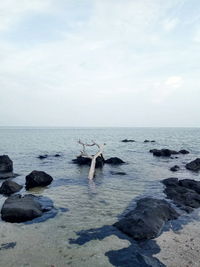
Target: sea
{"points": [[76, 235]]}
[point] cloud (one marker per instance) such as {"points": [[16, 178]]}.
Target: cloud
{"points": [[170, 24]]}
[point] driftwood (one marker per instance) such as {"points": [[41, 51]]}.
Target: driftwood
{"points": [[92, 157]]}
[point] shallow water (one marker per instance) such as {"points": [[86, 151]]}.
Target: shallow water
{"points": [[91, 205]]}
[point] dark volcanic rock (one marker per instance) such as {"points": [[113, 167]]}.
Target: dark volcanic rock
{"points": [[38, 178], [193, 165], [114, 161], [163, 152], [87, 161], [185, 193], [20, 209], [6, 167], [184, 151], [175, 168], [147, 219], [43, 156], [9, 187], [57, 155], [128, 141]]}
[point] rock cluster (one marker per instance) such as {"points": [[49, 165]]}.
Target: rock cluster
{"points": [[167, 152], [184, 193]]}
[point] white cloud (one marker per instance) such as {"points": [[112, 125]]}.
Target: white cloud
{"points": [[170, 24]]}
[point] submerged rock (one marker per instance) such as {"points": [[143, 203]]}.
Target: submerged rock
{"points": [[118, 173], [175, 168], [147, 219], [10, 187], [6, 167], [114, 161], [193, 165], [128, 141], [20, 209], [185, 193], [38, 178]]}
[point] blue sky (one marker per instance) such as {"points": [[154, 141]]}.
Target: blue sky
{"points": [[100, 63]]}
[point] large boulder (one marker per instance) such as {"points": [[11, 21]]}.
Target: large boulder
{"points": [[20, 209], [80, 160], [184, 193], [6, 167], [114, 161], [147, 219], [193, 165], [38, 178], [9, 187]]}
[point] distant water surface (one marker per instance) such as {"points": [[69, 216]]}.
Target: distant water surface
{"points": [[90, 205]]}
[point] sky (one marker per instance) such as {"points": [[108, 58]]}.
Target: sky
{"points": [[96, 63]]}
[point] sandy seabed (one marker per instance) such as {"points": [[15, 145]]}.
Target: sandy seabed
{"points": [[180, 248]]}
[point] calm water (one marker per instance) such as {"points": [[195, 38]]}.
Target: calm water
{"points": [[90, 205]]}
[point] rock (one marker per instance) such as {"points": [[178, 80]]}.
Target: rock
{"points": [[128, 141], [147, 219], [43, 156], [114, 161], [153, 141], [184, 151], [87, 161], [146, 141], [6, 167], [184, 193], [118, 173], [57, 155], [38, 178], [175, 168], [20, 209], [193, 165], [10, 187], [163, 152]]}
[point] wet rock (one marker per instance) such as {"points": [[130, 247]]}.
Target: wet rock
{"points": [[87, 161], [163, 152], [184, 151], [38, 178], [7, 245], [57, 155], [20, 209], [146, 141], [147, 219], [175, 168], [6, 167], [128, 141], [114, 161], [43, 156], [10, 187], [193, 165], [184, 193]]}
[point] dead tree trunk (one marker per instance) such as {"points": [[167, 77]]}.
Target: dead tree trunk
{"points": [[93, 157]]}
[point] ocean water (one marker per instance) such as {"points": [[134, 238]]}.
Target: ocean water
{"points": [[87, 204]]}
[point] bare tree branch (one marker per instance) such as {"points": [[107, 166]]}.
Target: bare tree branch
{"points": [[93, 157]]}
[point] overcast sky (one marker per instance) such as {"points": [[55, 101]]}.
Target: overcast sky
{"points": [[100, 62]]}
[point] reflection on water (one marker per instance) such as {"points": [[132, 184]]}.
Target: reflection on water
{"points": [[89, 204]]}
